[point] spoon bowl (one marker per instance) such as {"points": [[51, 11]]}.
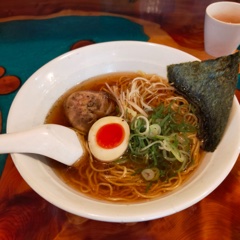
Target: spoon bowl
{"points": [[51, 140]]}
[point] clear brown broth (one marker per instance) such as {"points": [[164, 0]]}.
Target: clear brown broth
{"points": [[70, 175], [56, 115]]}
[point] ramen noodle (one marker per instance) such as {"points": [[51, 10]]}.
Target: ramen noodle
{"points": [[163, 148]]}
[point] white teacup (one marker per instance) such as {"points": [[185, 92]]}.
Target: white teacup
{"points": [[222, 28]]}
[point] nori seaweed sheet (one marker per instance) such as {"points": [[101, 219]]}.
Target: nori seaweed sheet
{"points": [[209, 86]]}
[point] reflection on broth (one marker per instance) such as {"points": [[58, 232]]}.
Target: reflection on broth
{"points": [[163, 148]]}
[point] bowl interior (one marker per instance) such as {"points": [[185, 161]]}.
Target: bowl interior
{"points": [[45, 86]]}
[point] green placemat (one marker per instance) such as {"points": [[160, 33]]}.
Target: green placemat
{"points": [[26, 45]]}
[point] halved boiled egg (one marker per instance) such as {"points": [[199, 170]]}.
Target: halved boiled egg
{"points": [[108, 138]]}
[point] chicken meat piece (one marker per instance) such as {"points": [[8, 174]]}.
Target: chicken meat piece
{"points": [[83, 108]]}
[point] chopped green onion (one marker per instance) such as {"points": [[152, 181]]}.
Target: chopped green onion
{"points": [[154, 130], [160, 141], [150, 174]]}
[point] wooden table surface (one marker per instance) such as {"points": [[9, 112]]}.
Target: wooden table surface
{"points": [[25, 215]]}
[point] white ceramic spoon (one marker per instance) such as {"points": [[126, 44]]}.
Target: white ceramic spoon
{"points": [[55, 141]]}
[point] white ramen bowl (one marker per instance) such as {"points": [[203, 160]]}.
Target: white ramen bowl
{"points": [[46, 85]]}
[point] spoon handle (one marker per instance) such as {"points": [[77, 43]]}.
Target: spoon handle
{"points": [[22, 142], [51, 140]]}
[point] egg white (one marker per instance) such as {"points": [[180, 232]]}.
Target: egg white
{"points": [[103, 154]]}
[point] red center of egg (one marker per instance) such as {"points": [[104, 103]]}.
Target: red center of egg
{"points": [[110, 135]]}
